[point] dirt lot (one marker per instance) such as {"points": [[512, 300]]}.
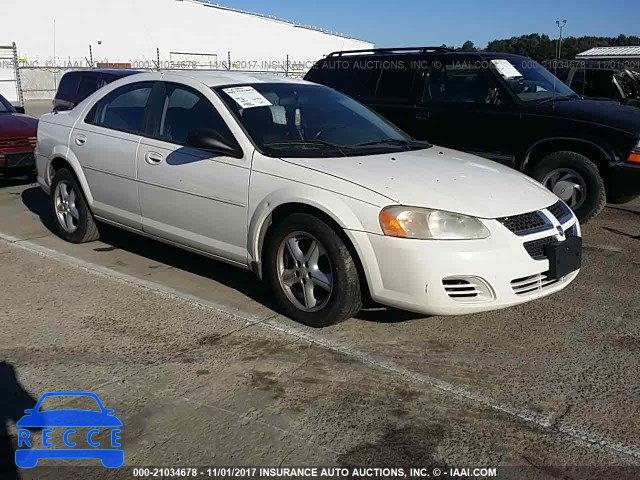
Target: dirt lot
{"points": [[203, 372]]}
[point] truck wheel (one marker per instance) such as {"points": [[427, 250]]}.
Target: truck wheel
{"points": [[73, 220], [311, 271], [575, 179]]}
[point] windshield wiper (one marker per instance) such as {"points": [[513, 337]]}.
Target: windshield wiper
{"points": [[313, 143], [573, 96], [394, 141]]}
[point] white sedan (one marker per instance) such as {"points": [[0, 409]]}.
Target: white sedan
{"points": [[318, 195]]}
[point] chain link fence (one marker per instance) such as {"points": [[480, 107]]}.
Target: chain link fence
{"points": [[41, 82]]}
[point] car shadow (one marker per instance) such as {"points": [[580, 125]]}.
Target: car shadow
{"points": [[162, 254], [14, 400], [38, 202], [381, 314], [6, 182]]}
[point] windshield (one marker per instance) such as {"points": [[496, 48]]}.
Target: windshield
{"points": [[293, 120], [529, 80], [5, 106]]}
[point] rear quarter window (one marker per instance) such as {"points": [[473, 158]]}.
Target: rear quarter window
{"points": [[68, 86]]}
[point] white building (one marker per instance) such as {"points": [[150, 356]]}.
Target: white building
{"points": [[180, 33]]}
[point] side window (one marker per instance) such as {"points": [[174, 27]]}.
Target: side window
{"points": [[395, 84], [457, 83], [123, 109], [88, 85], [365, 80], [186, 110], [599, 83]]}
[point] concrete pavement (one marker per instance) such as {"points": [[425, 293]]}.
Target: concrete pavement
{"points": [[552, 384]]}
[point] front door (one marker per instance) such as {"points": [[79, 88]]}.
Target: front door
{"points": [[462, 106], [190, 196]]}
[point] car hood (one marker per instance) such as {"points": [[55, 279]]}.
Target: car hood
{"points": [[442, 179], [604, 113], [14, 125]]}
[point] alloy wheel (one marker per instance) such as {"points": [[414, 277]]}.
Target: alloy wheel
{"points": [[304, 271], [66, 208]]}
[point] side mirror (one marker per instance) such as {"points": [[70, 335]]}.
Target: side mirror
{"points": [[19, 109], [211, 141]]}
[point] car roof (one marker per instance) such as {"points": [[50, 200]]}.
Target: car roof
{"points": [[417, 52], [228, 78], [116, 72]]}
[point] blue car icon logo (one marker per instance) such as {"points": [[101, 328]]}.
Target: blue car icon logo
{"points": [[31, 447]]}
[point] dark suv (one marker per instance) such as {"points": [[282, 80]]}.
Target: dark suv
{"points": [[602, 80], [503, 107], [75, 86]]}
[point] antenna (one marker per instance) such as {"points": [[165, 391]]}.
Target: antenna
{"points": [[558, 54]]}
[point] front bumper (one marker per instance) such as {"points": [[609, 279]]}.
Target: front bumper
{"points": [[623, 180], [423, 275], [11, 161]]}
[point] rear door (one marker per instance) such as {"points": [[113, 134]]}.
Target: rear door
{"points": [[106, 143], [462, 105], [190, 196]]}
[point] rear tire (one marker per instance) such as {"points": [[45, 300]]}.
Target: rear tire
{"points": [[563, 170], [73, 220], [295, 274]]}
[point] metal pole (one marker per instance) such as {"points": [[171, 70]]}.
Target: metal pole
{"points": [[158, 57], [90, 57], [559, 44], [286, 72], [17, 74], [228, 60]]}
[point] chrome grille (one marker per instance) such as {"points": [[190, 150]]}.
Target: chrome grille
{"points": [[535, 248], [526, 223], [13, 143], [560, 211], [532, 284]]}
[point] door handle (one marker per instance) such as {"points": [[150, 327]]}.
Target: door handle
{"points": [[423, 115], [81, 140], [153, 158]]}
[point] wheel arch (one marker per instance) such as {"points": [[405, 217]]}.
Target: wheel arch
{"points": [[334, 213], [64, 158], [598, 154]]}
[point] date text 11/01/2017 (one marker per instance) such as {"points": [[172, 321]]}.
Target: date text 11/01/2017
{"points": [[314, 472]]}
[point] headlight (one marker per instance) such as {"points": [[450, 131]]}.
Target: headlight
{"points": [[424, 223]]}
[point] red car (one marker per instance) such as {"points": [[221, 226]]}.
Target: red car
{"points": [[17, 140]]}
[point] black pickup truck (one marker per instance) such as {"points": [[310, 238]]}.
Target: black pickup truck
{"points": [[507, 108]]}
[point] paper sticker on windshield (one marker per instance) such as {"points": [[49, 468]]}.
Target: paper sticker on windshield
{"points": [[505, 69], [247, 97]]}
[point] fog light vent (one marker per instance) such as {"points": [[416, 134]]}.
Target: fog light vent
{"points": [[467, 289]]}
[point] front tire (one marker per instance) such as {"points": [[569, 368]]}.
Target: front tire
{"points": [[575, 179], [311, 271], [73, 220]]}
